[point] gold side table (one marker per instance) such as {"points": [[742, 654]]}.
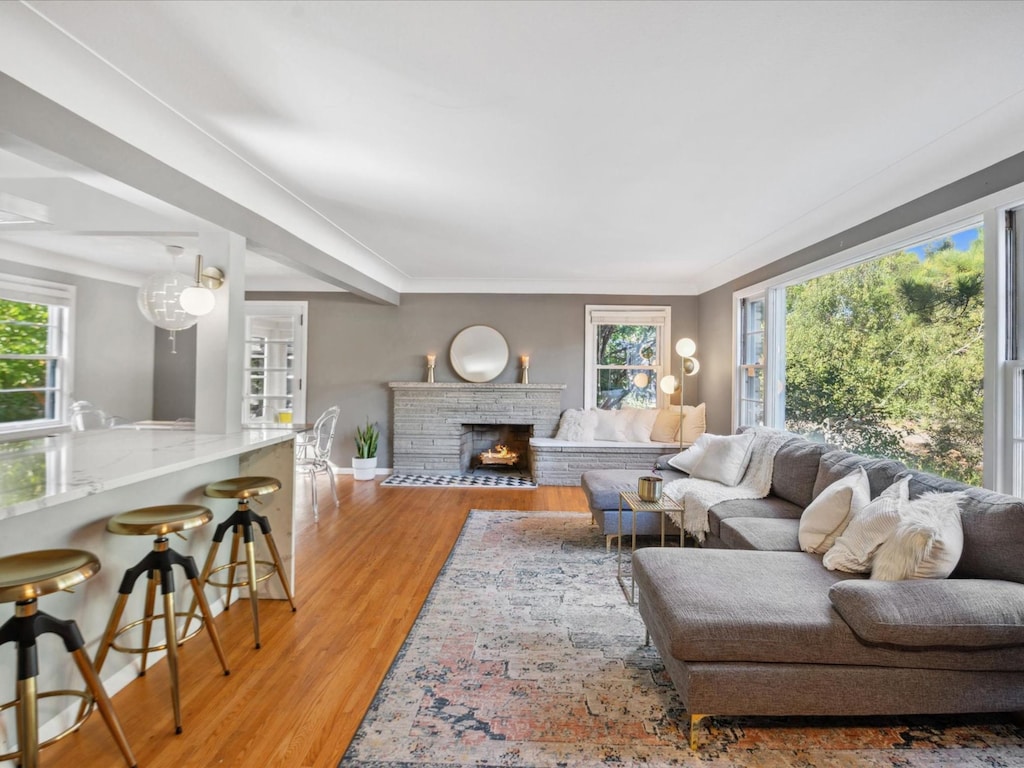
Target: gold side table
{"points": [[632, 500]]}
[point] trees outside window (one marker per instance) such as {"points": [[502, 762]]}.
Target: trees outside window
{"points": [[886, 357], [34, 327]]}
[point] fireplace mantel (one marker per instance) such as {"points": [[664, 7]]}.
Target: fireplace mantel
{"points": [[429, 418]]}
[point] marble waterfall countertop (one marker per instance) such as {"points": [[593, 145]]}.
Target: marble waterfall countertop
{"points": [[43, 472]]}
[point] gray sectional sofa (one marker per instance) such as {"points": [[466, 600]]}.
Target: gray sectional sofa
{"points": [[747, 624]]}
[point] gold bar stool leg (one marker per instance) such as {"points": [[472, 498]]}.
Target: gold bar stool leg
{"points": [[23, 579], [28, 723], [241, 522], [158, 567], [203, 577], [172, 656]]}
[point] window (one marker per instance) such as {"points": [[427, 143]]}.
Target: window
{"points": [[750, 376], [275, 372], [626, 349], [884, 356], [35, 365]]}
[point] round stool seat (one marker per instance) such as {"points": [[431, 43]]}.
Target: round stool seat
{"points": [[29, 575], [159, 520], [242, 487]]}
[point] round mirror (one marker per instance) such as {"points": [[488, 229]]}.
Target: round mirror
{"points": [[479, 353]]}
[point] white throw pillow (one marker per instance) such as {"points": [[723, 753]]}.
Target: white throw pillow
{"points": [[694, 423], [827, 516], [725, 458], [686, 460], [570, 424], [868, 529], [639, 424], [609, 425], [926, 543]]}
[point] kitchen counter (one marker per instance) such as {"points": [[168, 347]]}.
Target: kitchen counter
{"points": [[44, 472], [60, 491]]}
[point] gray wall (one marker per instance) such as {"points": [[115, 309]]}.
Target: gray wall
{"points": [[356, 348], [113, 342], [174, 379], [715, 307]]}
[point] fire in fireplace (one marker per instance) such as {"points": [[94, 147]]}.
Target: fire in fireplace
{"points": [[499, 454]]}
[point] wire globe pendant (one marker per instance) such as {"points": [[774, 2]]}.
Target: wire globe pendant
{"points": [[160, 301]]}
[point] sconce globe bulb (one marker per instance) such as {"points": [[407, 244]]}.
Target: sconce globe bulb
{"points": [[668, 384], [198, 301]]}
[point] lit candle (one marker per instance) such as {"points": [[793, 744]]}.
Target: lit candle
{"points": [[526, 361], [430, 360]]}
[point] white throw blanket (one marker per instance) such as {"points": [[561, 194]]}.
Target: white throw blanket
{"points": [[697, 496]]}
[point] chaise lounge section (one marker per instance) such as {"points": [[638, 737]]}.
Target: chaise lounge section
{"points": [[748, 624]]}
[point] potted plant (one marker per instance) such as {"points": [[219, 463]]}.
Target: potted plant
{"points": [[364, 465]]}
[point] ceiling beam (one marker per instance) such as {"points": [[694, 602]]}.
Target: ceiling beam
{"points": [[33, 118]]}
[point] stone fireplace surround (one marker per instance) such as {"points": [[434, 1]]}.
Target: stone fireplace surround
{"points": [[431, 420]]}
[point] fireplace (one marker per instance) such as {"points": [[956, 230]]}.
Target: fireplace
{"points": [[480, 439], [430, 422]]}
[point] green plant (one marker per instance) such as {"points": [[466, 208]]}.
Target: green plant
{"points": [[366, 440]]}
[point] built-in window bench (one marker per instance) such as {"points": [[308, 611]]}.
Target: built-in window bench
{"points": [[561, 462]]}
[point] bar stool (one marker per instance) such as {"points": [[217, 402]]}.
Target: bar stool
{"points": [[241, 521], [24, 578], [158, 565]]}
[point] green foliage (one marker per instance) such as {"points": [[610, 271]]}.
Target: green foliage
{"points": [[24, 329], [628, 345], [366, 440], [887, 358]]}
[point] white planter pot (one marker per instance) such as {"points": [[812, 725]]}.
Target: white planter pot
{"points": [[364, 469]]}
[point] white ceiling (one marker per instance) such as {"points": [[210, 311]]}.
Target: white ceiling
{"points": [[606, 147]]}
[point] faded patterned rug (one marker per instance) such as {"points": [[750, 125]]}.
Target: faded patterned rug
{"points": [[527, 654]]}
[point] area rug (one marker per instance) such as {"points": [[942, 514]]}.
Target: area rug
{"points": [[459, 481], [526, 654]]}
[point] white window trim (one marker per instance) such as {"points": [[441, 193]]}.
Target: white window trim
{"points": [[35, 291], [605, 314], [988, 212]]}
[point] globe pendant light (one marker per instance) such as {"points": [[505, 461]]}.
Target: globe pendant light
{"points": [[159, 300]]}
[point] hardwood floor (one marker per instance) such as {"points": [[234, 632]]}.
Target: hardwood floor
{"points": [[362, 574]]}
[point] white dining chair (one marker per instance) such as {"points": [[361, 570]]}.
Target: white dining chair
{"points": [[313, 453]]}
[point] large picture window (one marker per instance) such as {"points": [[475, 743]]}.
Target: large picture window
{"points": [[626, 353], [885, 357], [35, 375]]}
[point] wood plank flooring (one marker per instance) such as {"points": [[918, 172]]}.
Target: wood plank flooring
{"points": [[362, 574]]}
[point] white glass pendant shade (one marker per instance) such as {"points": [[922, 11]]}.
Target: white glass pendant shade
{"points": [[686, 347], [159, 301], [668, 384], [198, 301]]}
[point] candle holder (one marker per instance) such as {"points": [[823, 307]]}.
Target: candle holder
{"points": [[430, 368], [525, 361]]}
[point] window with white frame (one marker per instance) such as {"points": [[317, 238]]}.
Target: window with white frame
{"points": [[883, 354], [750, 374], [626, 351], [35, 350]]}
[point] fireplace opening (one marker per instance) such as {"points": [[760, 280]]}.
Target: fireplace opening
{"points": [[496, 448]]}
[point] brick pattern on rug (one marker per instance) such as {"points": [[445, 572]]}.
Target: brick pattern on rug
{"points": [[526, 654], [459, 481]]}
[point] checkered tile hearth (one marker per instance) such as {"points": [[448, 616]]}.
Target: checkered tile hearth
{"points": [[460, 481]]}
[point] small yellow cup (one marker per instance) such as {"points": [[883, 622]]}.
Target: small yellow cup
{"points": [[284, 417]]}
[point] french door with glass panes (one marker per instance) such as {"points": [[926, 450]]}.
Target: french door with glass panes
{"points": [[275, 363]]}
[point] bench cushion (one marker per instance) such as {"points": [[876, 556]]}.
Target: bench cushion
{"points": [[762, 533]]}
